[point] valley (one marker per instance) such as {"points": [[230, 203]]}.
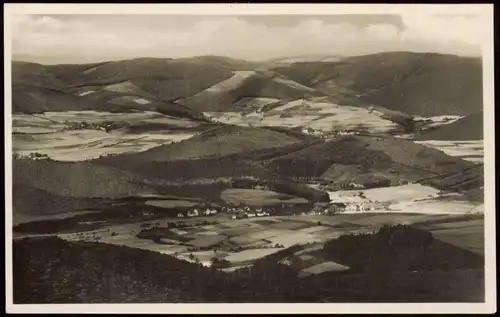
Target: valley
{"points": [[224, 172]]}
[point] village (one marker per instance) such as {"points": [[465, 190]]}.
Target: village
{"points": [[329, 134], [348, 204]]}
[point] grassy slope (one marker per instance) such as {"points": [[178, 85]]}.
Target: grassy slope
{"points": [[38, 99], [30, 203], [77, 179], [467, 128], [261, 84], [414, 83], [218, 142], [468, 180]]}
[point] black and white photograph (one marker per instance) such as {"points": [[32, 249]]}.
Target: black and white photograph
{"points": [[249, 154]]}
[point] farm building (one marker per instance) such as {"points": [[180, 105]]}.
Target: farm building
{"points": [[193, 213], [260, 187], [209, 211]]}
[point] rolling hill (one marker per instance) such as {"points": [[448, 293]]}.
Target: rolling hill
{"points": [[247, 84], [415, 83], [218, 142], [137, 84], [404, 83], [77, 179], [27, 99], [368, 160], [30, 204]]}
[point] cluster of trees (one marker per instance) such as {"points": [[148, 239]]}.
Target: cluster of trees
{"points": [[217, 263], [105, 126], [31, 156], [381, 249]]}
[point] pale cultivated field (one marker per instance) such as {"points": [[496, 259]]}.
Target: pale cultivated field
{"points": [[292, 238], [439, 120], [313, 113], [411, 198], [255, 102], [292, 84], [231, 83], [250, 255], [385, 194], [44, 134], [472, 151], [322, 268], [438, 207]]}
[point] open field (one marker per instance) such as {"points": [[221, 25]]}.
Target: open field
{"points": [[470, 150], [411, 198], [49, 134], [315, 113], [259, 239]]}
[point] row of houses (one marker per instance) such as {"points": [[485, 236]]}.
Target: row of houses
{"points": [[328, 134], [195, 212], [250, 214], [238, 212], [340, 207]]}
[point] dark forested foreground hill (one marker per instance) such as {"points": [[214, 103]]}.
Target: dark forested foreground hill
{"points": [[51, 270], [412, 83]]}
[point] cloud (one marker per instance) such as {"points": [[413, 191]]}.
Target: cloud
{"points": [[87, 38], [459, 29]]}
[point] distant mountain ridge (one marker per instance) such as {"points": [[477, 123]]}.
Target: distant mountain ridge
{"points": [[413, 83]]}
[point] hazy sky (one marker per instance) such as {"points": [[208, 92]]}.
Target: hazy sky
{"points": [[90, 38]]}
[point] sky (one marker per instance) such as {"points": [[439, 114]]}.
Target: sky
{"points": [[93, 38]]}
